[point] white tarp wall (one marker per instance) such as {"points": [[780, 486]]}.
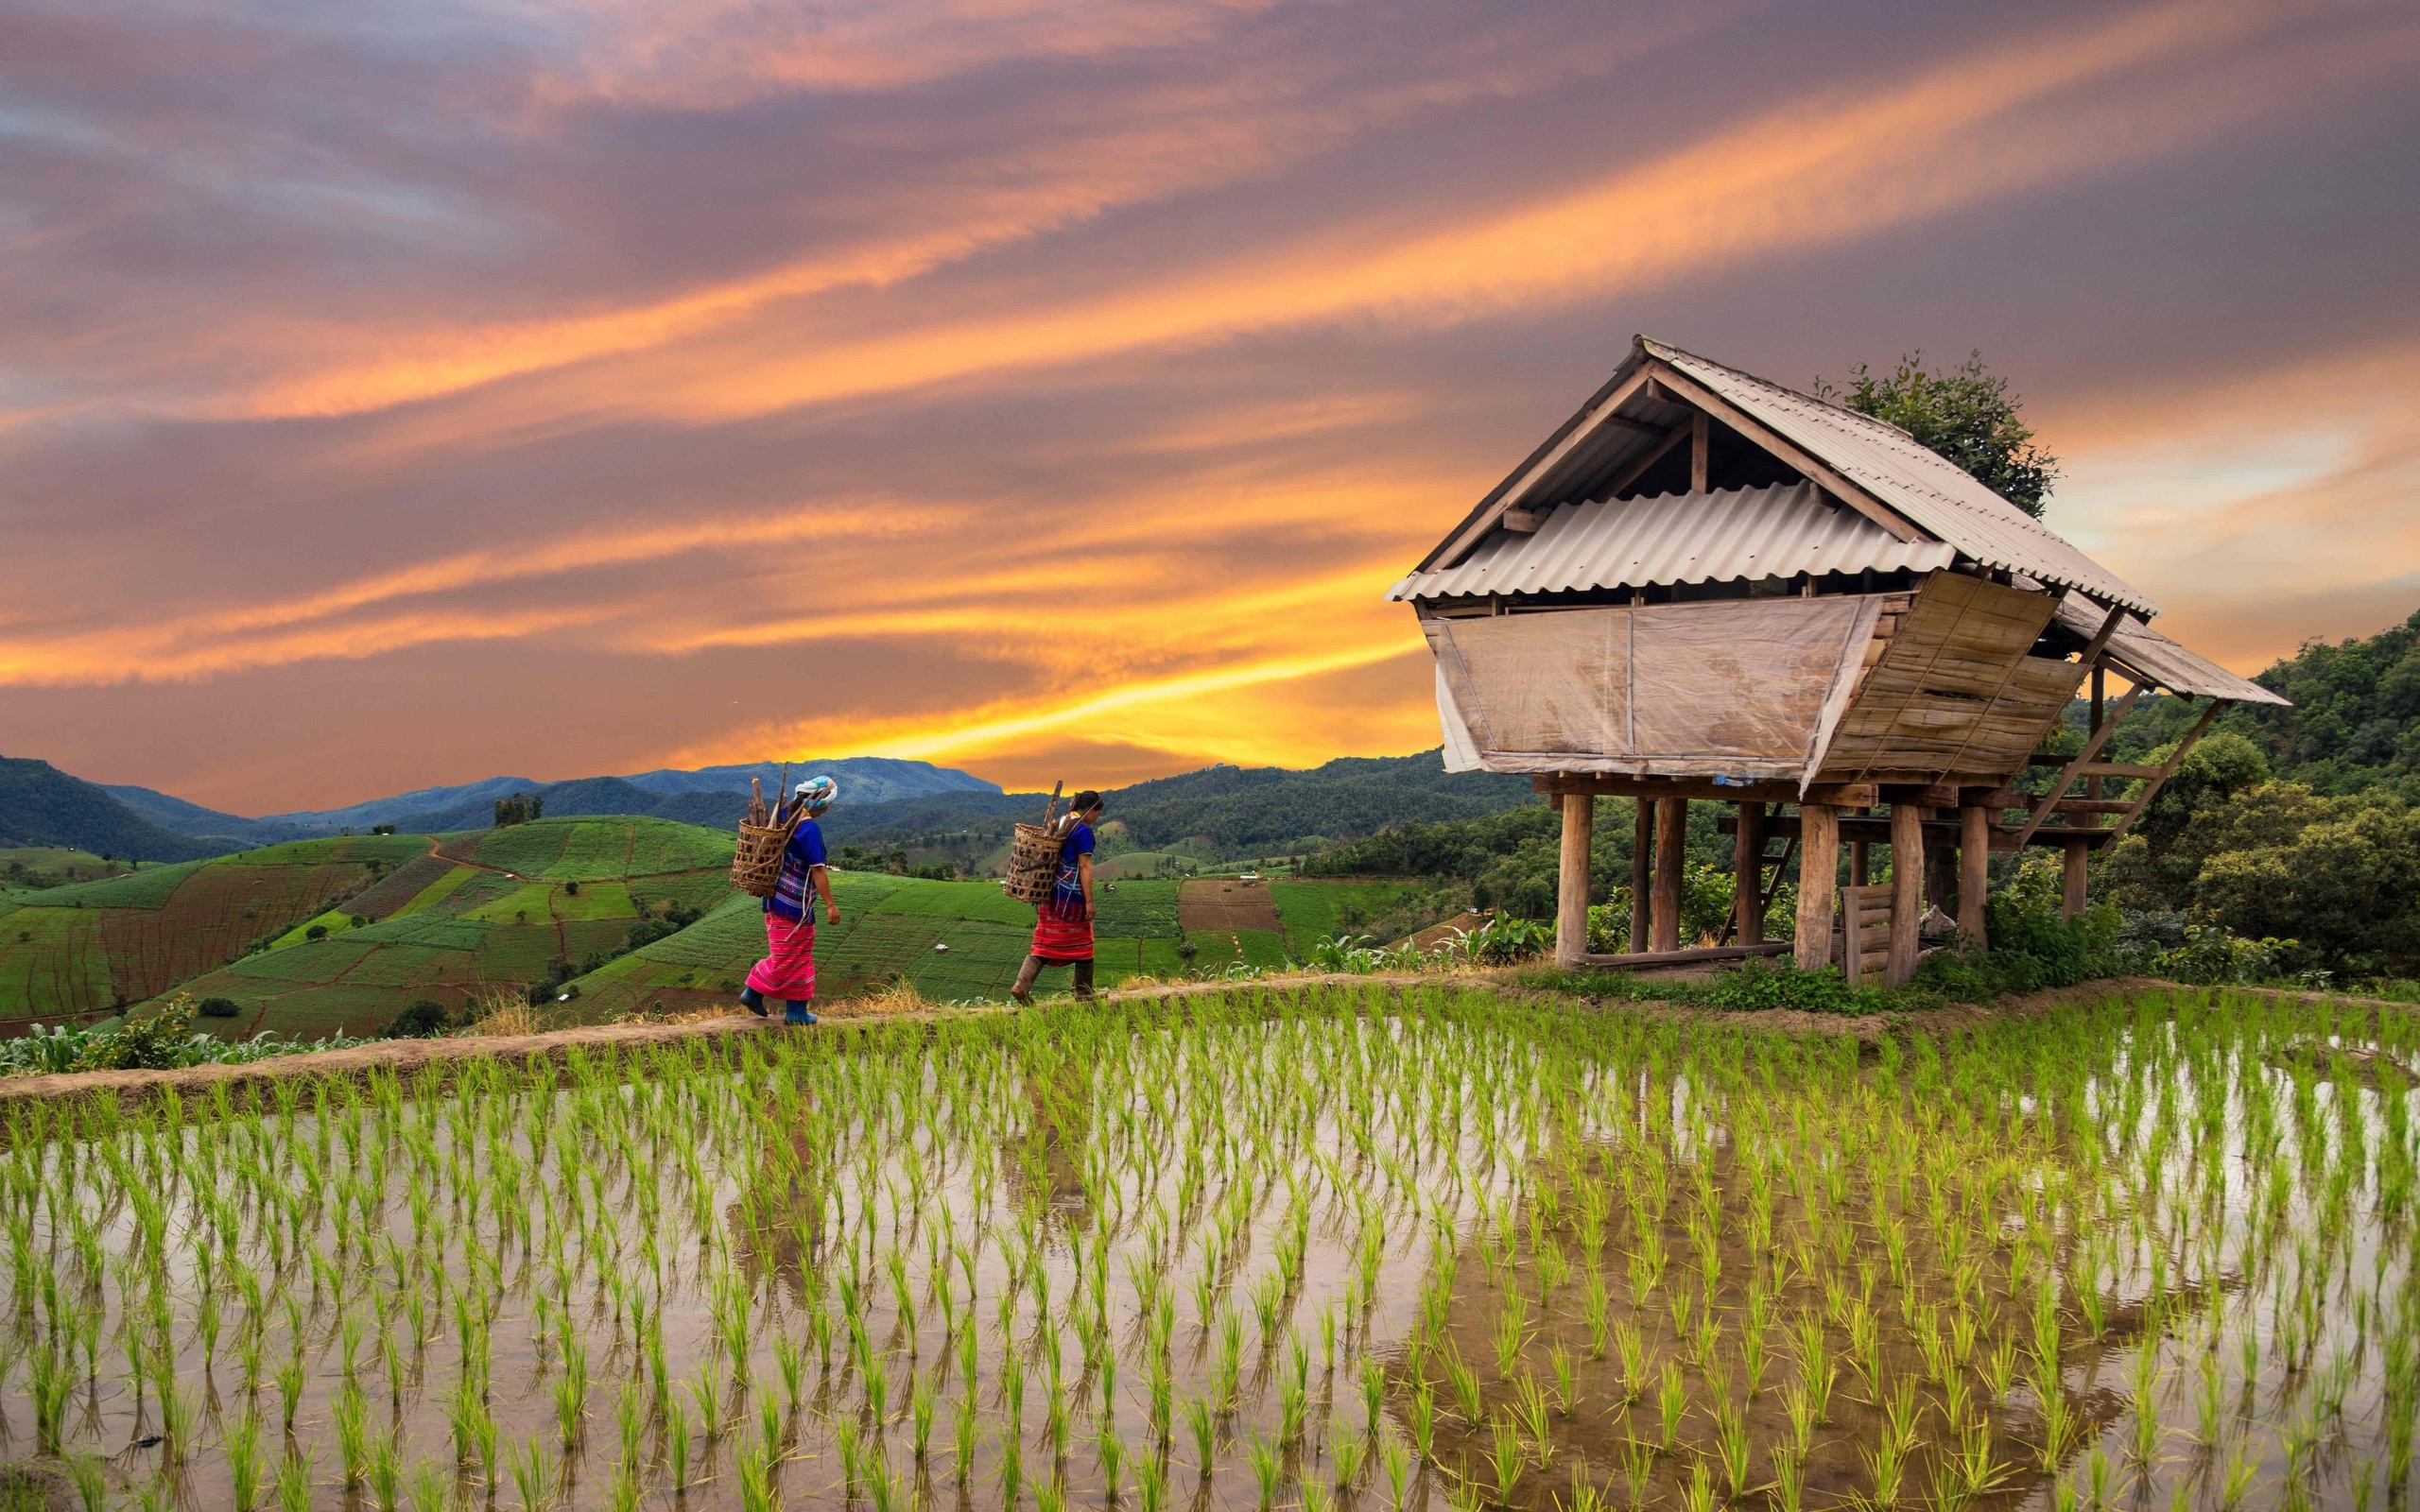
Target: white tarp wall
{"points": [[1724, 688]]}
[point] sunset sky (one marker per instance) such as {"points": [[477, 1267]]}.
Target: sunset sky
{"points": [[394, 395]]}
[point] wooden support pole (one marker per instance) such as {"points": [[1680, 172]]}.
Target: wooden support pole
{"points": [[1700, 443], [1861, 856], [2071, 880], [1671, 830], [1941, 877], [1642, 871], [1819, 860], [1748, 875], [1572, 894], [1974, 872], [1907, 890]]}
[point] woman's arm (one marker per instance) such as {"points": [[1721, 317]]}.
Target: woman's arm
{"points": [[1085, 869], [822, 876]]}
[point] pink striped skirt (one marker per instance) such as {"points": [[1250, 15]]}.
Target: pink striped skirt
{"points": [[788, 969]]}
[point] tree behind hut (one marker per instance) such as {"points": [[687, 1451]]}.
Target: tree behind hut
{"points": [[1965, 414]]}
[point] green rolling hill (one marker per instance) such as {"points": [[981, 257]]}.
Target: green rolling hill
{"points": [[481, 909]]}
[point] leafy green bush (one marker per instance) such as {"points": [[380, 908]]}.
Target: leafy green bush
{"points": [[159, 1042], [423, 1017], [1758, 985], [219, 1007]]}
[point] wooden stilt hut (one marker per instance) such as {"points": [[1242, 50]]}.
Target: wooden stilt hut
{"points": [[1706, 587]]}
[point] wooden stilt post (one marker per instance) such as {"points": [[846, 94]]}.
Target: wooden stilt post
{"points": [[1907, 890], [1819, 860], [2071, 879], [1671, 830], [1860, 858], [1748, 875], [1974, 872], [1642, 871], [1571, 888]]}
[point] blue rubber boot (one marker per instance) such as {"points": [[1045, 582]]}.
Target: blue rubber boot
{"points": [[752, 1001], [798, 1013]]}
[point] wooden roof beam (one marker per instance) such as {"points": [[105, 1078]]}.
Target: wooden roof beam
{"points": [[1682, 388], [1510, 491]]}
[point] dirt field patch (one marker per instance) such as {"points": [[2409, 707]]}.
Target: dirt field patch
{"points": [[1223, 903]]}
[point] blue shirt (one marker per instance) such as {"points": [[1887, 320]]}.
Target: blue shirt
{"points": [[1067, 888], [789, 891]]}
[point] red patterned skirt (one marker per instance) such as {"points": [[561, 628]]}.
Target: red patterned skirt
{"points": [[1057, 938], [788, 969]]}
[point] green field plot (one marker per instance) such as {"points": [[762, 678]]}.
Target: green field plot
{"points": [[334, 922], [462, 928], [401, 887], [52, 965], [1141, 910], [701, 890], [147, 932], [151, 887], [441, 890], [1314, 911], [428, 929], [531, 903], [524, 850], [659, 846], [594, 901], [956, 899]]}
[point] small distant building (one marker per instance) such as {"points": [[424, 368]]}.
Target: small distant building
{"points": [[1705, 586]]}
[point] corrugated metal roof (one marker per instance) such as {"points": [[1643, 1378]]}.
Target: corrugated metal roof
{"points": [[2164, 662], [1678, 538], [1895, 470]]}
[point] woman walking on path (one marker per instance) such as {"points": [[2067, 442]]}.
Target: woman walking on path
{"points": [[1062, 928], [787, 971]]}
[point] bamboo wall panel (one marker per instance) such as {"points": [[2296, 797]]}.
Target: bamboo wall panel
{"points": [[1954, 693]]}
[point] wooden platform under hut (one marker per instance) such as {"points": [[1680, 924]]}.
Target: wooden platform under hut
{"points": [[1705, 587]]}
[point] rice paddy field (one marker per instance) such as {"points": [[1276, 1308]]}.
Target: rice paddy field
{"points": [[86, 950], [964, 940], [1311, 1248], [463, 911]]}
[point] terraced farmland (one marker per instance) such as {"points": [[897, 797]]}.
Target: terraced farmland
{"points": [[82, 951], [481, 909], [965, 939]]}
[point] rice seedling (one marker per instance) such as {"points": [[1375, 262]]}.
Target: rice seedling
{"points": [[1395, 1462], [1268, 1468], [1506, 1459]]}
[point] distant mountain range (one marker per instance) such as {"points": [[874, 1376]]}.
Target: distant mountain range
{"points": [[1240, 810], [41, 805]]}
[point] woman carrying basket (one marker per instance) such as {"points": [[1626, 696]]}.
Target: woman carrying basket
{"points": [[1062, 927], [787, 971]]}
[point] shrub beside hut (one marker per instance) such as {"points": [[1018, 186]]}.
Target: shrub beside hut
{"points": [[1708, 587]]}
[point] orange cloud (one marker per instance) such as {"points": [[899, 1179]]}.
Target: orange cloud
{"points": [[1834, 166]]}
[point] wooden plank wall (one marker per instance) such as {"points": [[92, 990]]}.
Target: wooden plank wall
{"points": [[1953, 692]]}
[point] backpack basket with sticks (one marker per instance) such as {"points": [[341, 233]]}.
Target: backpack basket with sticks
{"points": [[1033, 855], [764, 836]]}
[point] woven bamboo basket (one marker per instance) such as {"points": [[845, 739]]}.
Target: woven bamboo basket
{"points": [[756, 864], [1033, 856]]}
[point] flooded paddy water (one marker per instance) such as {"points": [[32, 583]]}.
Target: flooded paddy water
{"points": [[1317, 1249]]}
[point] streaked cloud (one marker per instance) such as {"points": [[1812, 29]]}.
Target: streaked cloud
{"points": [[1018, 384]]}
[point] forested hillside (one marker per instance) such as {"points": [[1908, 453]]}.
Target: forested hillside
{"points": [[41, 805]]}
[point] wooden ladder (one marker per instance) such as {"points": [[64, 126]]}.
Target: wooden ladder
{"points": [[1765, 888], [2087, 816]]}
